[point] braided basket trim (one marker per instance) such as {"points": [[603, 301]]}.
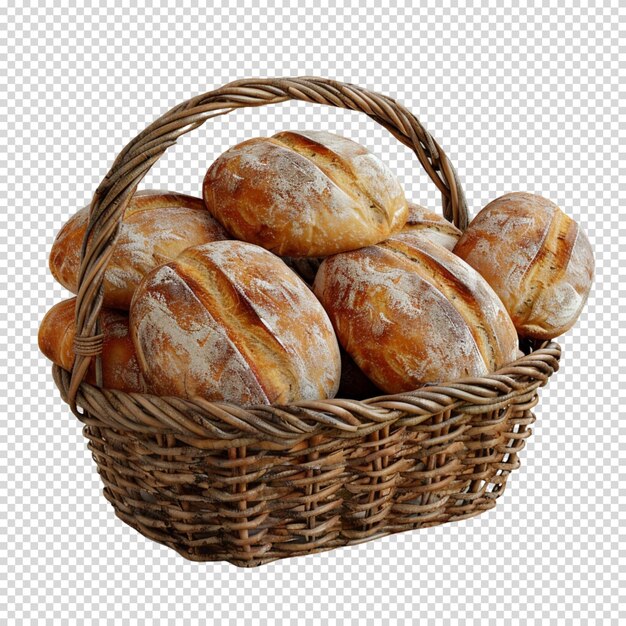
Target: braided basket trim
{"points": [[284, 425]]}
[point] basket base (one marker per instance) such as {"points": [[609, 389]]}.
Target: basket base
{"points": [[191, 555], [485, 502]]}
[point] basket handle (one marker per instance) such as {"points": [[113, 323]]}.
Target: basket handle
{"points": [[114, 192]]}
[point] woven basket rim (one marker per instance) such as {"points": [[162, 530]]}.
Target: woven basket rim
{"points": [[284, 425]]}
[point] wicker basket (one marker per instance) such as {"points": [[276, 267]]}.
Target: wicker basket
{"points": [[216, 481]]}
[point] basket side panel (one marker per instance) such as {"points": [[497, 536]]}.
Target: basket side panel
{"points": [[250, 505]]}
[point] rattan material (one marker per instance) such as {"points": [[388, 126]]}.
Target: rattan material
{"points": [[249, 485]]}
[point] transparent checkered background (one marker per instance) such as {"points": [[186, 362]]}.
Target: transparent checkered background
{"points": [[522, 99]]}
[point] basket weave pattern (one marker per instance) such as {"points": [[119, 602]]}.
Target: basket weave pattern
{"points": [[217, 481]]}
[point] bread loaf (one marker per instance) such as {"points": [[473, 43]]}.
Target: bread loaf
{"points": [[304, 194], [120, 369], [423, 224], [411, 313], [157, 226], [230, 321], [536, 258]]}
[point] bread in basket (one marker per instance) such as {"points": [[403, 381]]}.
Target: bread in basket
{"points": [[249, 485]]}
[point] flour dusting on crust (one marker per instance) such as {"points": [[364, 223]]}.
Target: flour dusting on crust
{"points": [[157, 226], [396, 326], [299, 198], [180, 345], [288, 310], [524, 246]]}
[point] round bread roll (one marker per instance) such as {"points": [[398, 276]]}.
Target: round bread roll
{"points": [[304, 194], [157, 226], [411, 314], [230, 321], [423, 224], [536, 258], [120, 369]]}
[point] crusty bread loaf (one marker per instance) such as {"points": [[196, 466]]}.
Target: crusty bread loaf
{"points": [[412, 313], [120, 369], [157, 226], [423, 224], [536, 258], [230, 321], [304, 194]]}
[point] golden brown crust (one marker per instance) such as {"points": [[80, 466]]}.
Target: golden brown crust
{"points": [[235, 313], [423, 224], [482, 310], [232, 322], [341, 166], [181, 349], [120, 369], [157, 226], [64, 260], [535, 257], [56, 333], [304, 194], [407, 319]]}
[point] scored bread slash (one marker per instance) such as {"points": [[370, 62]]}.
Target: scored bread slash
{"points": [[535, 257]]}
